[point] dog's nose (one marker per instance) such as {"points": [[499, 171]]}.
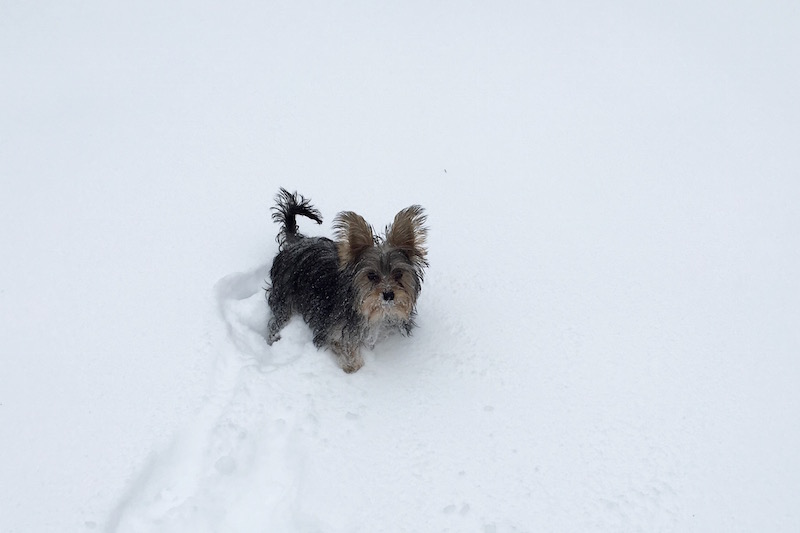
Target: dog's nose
{"points": [[388, 296]]}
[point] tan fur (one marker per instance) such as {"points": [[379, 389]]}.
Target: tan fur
{"points": [[373, 306]]}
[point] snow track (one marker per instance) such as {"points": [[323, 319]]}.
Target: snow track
{"points": [[288, 442], [236, 465]]}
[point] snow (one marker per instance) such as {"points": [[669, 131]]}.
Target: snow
{"points": [[607, 333]]}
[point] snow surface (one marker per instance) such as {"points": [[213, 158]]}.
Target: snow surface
{"points": [[608, 332]]}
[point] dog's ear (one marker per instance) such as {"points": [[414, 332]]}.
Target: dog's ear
{"points": [[353, 235], [408, 234]]}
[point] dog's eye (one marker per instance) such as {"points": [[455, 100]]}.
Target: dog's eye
{"points": [[373, 277]]}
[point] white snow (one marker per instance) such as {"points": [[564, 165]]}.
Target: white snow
{"points": [[608, 332]]}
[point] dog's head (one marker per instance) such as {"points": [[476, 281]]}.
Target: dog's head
{"points": [[387, 270]]}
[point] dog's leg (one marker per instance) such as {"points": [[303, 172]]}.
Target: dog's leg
{"points": [[351, 362], [348, 356], [280, 316]]}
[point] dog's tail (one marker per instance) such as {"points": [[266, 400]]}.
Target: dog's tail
{"points": [[288, 206]]}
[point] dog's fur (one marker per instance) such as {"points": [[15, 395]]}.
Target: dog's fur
{"points": [[352, 291]]}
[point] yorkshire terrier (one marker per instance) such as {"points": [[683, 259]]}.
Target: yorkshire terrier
{"points": [[353, 291]]}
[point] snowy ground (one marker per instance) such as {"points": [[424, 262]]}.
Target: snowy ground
{"points": [[608, 332]]}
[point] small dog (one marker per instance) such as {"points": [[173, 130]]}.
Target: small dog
{"points": [[352, 291]]}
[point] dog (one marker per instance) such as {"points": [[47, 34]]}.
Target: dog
{"points": [[353, 291]]}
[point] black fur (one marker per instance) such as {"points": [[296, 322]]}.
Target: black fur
{"points": [[306, 279]]}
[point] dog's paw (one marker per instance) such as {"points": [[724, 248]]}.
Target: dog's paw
{"points": [[351, 365], [352, 368]]}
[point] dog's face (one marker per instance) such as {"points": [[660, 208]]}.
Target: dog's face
{"points": [[386, 285], [387, 271]]}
